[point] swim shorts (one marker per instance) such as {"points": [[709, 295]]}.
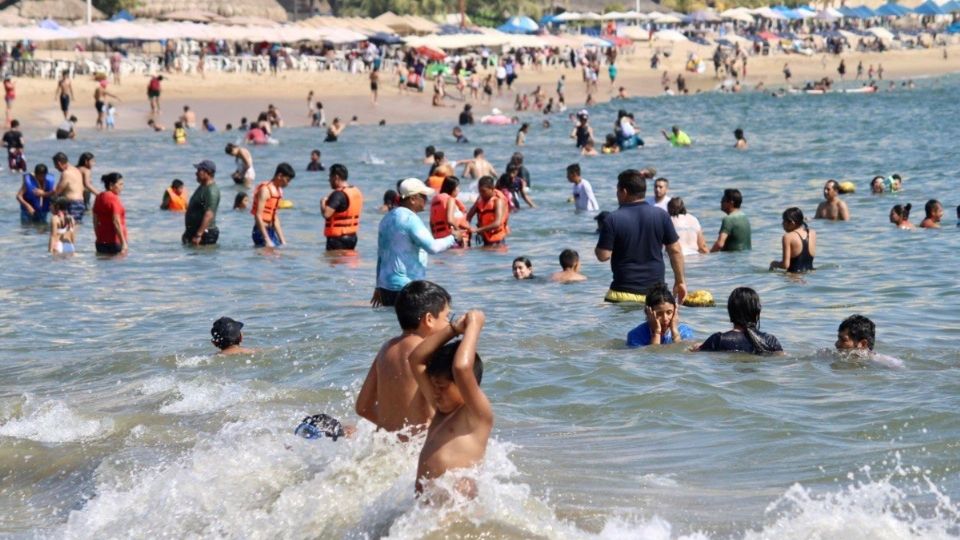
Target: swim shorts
{"points": [[209, 237], [62, 134], [76, 209], [258, 240], [99, 105], [618, 297], [64, 102], [108, 249], [341, 242]]}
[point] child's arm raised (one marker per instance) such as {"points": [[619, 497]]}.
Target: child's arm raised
{"points": [[473, 397], [421, 356]]}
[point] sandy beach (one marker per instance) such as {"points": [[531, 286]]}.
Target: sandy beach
{"points": [[226, 97]]}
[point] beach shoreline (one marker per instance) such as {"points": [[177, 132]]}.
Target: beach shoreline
{"points": [[226, 97]]}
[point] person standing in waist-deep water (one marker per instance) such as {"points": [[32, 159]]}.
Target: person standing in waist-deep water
{"points": [[633, 239], [267, 231], [110, 217], [341, 210], [403, 242], [735, 227], [70, 187], [799, 246], [201, 218]]}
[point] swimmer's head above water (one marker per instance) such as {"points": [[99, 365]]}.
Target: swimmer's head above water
{"points": [[856, 332], [522, 268]]}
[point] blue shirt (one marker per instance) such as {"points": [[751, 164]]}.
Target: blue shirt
{"points": [[403, 242], [640, 336]]}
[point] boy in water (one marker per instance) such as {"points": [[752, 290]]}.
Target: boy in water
{"points": [[449, 375], [227, 336], [857, 334], [389, 397], [569, 268]]}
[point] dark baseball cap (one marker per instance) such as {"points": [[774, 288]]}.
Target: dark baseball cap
{"points": [[226, 330], [206, 165], [286, 170]]}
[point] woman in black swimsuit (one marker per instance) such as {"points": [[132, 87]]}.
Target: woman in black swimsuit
{"points": [[743, 306], [799, 247]]}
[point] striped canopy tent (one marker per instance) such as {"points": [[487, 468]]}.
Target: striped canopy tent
{"points": [[61, 10], [267, 9]]}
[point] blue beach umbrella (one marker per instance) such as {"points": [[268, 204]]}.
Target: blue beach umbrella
{"points": [[519, 25], [548, 19], [891, 9], [929, 8], [951, 7], [122, 15], [865, 12]]}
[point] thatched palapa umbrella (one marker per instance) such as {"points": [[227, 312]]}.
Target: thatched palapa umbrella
{"points": [[267, 9], [59, 10]]}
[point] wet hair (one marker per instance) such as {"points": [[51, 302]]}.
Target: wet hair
{"points": [[633, 182], [676, 207], [834, 185], [738, 133], [177, 183], [110, 179], [574, 169], [659, 294], [429, 151], [477, 152], [743, 306], [568, 259], [60, 157], [450, 184], [238, 200], [40, 171], [438, 156], [525, 260], [230, 148], [928, 208], [876, 180], [733, 197], [391, 198], [902, 210], [315, 151], [486, 182], [795, 215], [525, 127], [339, 170], [228, 127], [14, 124], [418, 298], [517, 158], [441, 364], [859, 327], [60, 204], [610, 140], [662, 179]]}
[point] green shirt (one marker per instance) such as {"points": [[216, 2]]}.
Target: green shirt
{"points": [[737, 227], [680, 139], [206, 197]]}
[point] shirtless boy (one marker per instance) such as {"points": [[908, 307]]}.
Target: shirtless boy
{"points": [[227, 335], [70, 187], [569, 268], [244, 175], [478, 167], [389, 397], [449, 375], [832, 208], [65, 93]]}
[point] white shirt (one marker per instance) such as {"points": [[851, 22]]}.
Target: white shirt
{"points": [[583, 197], [687, 228], [627, 127], [661, 205], [501, 72]]}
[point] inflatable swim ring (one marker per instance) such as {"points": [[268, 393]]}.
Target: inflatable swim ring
{"points": [[847, 187], [285, 204], [496, 120], [699, 299]]}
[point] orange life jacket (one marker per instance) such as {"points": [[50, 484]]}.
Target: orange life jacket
{"points": [[272, 203], [176, 203], [435, 182], [348, 221], [487, 213], [438, 216]]}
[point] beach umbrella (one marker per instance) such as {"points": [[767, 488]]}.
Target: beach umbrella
{"points": [[929, 8], [951, 7], [864, 12], [122, 15], [805, 13], [665, 18], [670, 35], [635, 16], [432, 53], [768, 36], [548, 19], [701, 16], [567, 16], [519, 25], [828, 14], [738, 14], [891, 9], [787, 12], [771, 14]]}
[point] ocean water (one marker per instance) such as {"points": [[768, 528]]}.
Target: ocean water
{"points": [[117, 421]]}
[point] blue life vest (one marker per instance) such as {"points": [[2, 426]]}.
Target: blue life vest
{"points": [[31, 184]]}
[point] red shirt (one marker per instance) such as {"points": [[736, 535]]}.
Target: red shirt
{"points": [[106, 205]]}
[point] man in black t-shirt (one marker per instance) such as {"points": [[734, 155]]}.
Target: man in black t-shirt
{"points": [[13, 141], [633, 237], [466, 116]]}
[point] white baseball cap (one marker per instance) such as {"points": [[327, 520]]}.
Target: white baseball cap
{"points": [[413, 186]]}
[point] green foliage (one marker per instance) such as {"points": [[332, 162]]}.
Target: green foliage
{"points": [[615, 6], [109, 7], [484, 12]]}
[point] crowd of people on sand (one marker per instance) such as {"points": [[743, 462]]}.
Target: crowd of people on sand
{"points": [[434, 378]]}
